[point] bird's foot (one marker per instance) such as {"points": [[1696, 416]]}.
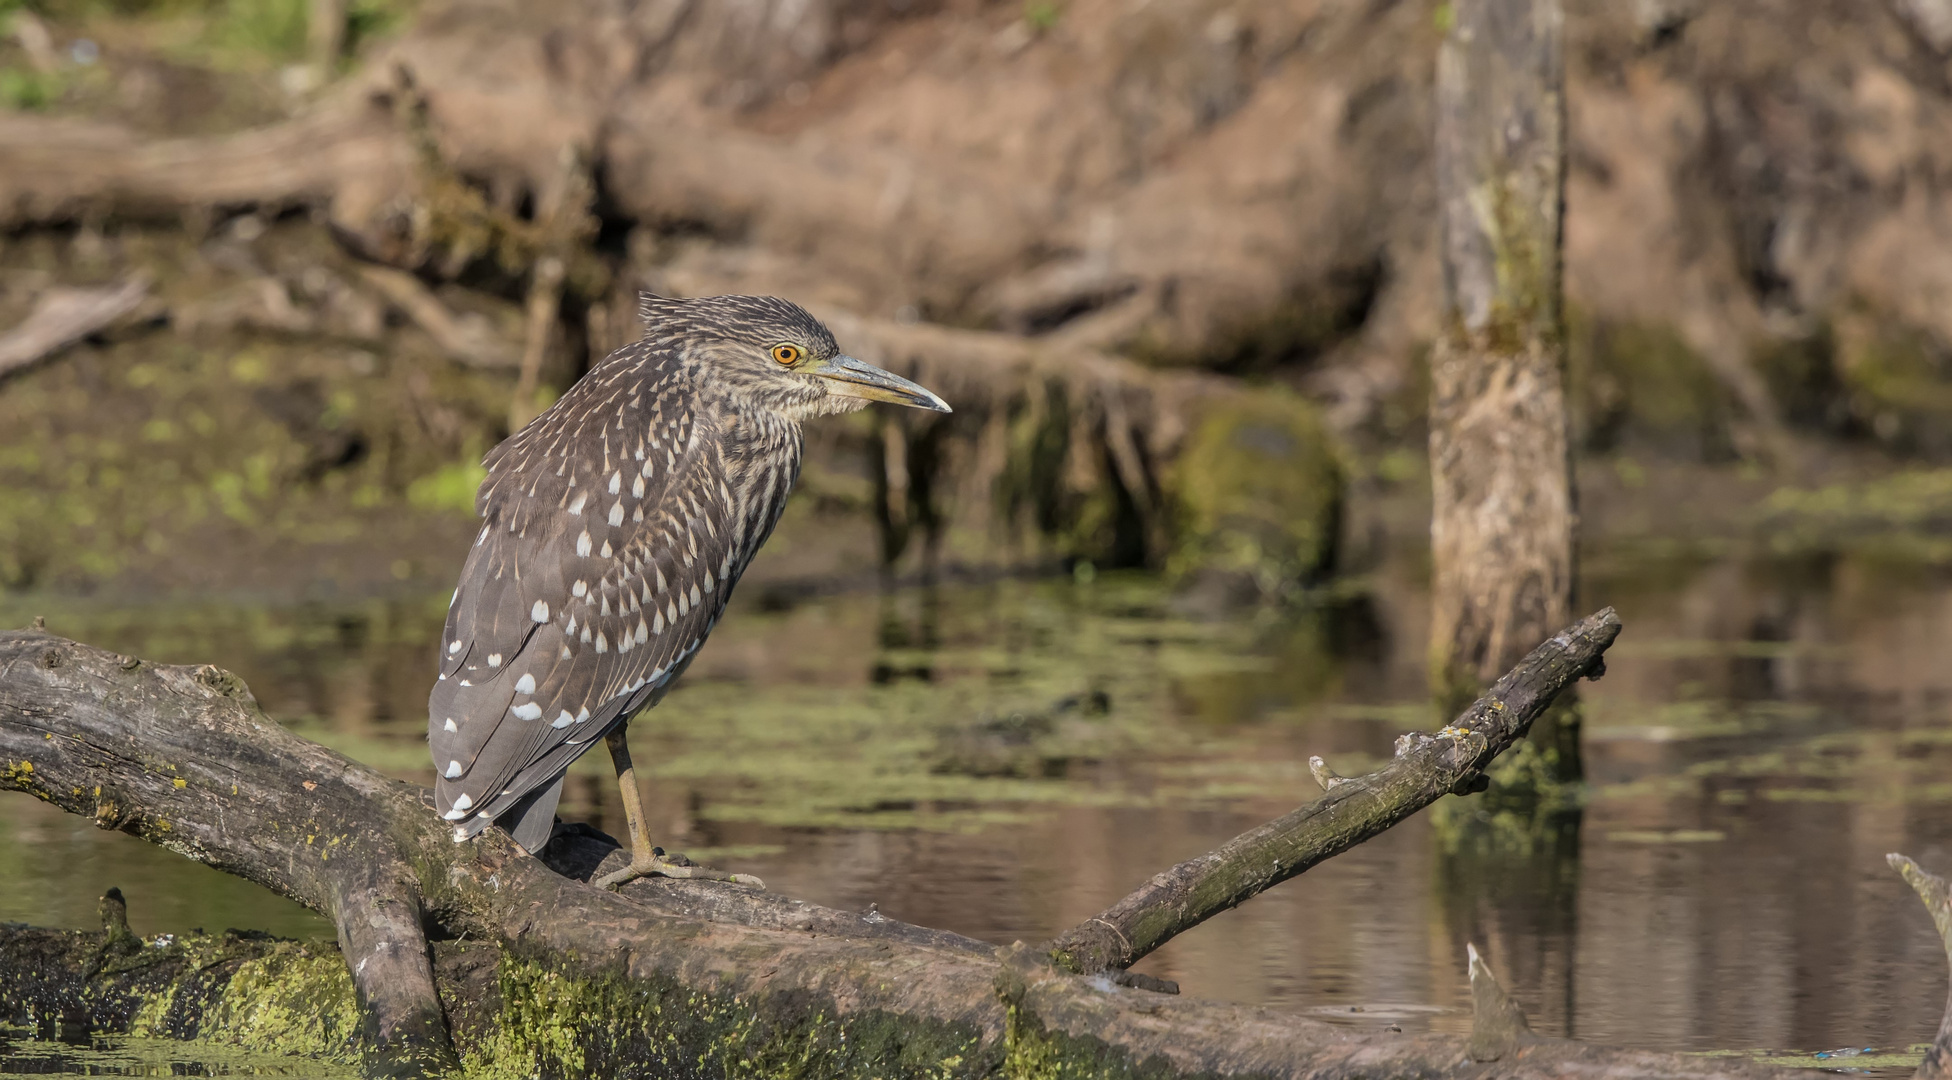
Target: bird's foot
{"points": [[671, 866]]}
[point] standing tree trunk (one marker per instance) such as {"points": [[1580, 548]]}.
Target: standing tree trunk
{"points": [[1502, 519]]}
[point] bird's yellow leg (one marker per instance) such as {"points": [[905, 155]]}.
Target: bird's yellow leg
{"points": [[645, 858]]}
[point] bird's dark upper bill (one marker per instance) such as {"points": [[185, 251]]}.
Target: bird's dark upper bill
{"points": [[852, 378]]}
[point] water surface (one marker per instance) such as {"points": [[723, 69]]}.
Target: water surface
{"points": [[1006, 759]]}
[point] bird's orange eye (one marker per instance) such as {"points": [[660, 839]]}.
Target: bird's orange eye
{"points": [[787, 354]]}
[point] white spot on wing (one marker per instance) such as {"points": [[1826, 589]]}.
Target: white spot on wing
{"points": [[637, 488], [583, 544], [449, 726], [616, 481], [453, 648], [494, 659], [453, 770], [582, 714], [616, 514], [464, 802], [578, 589], [540, 612], [576, 504], [531, 711], [606, 549], [527, 683], [563, 720], [602, 645]]}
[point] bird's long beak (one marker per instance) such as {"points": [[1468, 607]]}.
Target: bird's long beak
{"points": [[852, 378]]}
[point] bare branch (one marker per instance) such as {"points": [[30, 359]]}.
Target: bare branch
{"points": [[1426, 768], [1936, 892], [64, 316]]}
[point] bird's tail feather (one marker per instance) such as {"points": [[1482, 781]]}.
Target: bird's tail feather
{"points": [[531, 820]]}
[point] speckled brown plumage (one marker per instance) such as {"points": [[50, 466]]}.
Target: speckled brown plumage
{"points": [[614, 529]]}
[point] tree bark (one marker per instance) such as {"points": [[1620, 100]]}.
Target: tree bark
{"points": [[1502, 501], [557, 978]]}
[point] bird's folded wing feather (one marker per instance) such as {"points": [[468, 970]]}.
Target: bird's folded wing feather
{"points": [[603, 564]]}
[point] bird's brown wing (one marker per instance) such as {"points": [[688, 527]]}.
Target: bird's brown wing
{"points": [[602, 566]]}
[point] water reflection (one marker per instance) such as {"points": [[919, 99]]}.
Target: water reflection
{"points": [[1006, 759]]}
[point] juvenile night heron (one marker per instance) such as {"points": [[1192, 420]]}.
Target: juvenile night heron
{"points": [[615, 526]]}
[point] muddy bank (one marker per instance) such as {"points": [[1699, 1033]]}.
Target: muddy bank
{"points": [[1240, 186], [276, 401], [1132, 210]]}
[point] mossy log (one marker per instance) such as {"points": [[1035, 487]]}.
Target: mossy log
{"points": [[1058, 450], [531, 971]]}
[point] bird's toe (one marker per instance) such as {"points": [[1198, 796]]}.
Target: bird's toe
{"points": [[672, 866]]}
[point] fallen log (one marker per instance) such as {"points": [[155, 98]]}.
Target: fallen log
{"points": [[531, 971]]}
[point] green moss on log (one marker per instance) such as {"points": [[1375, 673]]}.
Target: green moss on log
{"points": [[1639, 386], [258, 994], [294, 1000], [1259, 490], [554, 1023], [1897, 379]]}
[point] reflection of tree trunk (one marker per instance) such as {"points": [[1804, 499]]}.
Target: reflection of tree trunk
{"points": [[1523, 909], [1502, 519]]}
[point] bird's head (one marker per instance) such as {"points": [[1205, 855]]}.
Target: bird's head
{"points": [[774, 354]]}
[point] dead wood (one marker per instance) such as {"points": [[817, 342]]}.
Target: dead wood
{"points": [[1219, 183], [182, 757], [64, 316], [1425, 769], [1936, 892], [1501, 523], [347, 158], [1498, 1025], [466, 339]]}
